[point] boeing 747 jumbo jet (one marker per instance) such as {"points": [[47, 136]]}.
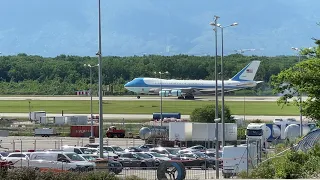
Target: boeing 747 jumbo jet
{"points": [[187, 89]]}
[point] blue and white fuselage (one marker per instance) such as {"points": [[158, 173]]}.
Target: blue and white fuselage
{"points": [[188, 88]]}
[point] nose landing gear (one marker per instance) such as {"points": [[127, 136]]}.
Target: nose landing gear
{"points": [[138, 97]]}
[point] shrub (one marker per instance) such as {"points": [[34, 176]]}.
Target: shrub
{"points": [[292, 165], [206, 114], [32, 174]]}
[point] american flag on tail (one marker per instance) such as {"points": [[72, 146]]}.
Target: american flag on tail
{"points": [[249, 71]]}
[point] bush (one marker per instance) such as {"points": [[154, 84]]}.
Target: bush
{"points": [[206, 114], [32, 174], [292, 165]]}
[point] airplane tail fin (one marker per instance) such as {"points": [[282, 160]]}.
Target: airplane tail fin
{"points": [[247, 73]]}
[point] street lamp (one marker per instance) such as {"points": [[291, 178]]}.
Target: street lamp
{"points": [[222, 79], [215, 64], [90, 67], [99, 54], [300, 98], [161, 73], [217, 147], [29, 101]]}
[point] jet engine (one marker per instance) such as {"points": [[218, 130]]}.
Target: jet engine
{"points": [[176, 93], [164, 93]]}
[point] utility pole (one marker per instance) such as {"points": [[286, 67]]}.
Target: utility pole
{"points": [[100, 87]]}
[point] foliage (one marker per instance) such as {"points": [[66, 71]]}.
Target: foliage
{"points": [[23, 74], [32, 174], [292, 165], [206, 114], [302, 79], [241, 133]]}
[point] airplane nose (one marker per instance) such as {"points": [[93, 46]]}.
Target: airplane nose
{"points": [[127, 84]]}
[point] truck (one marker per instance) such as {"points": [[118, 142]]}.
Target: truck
{"points": [[113, 131], [277, 131], [259, 132], [45, 132], [237, 159]]}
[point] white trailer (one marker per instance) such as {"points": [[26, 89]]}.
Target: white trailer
{"points": [[45, 132]]}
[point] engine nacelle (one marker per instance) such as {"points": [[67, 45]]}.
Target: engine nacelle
{"points": [[164, 93], [176, 93]]}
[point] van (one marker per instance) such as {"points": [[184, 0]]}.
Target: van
{"points": [[57, 161], [236, 159]]}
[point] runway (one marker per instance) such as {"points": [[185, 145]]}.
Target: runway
{"points": [[144, 116], [133, 98]]}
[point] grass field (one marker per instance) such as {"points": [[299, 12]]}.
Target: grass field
{"points": [[144, 107]]}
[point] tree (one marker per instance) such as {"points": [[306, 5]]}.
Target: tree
{"points": [[302, 78], [206, 114]]}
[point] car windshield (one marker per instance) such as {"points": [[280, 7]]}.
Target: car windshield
{"points": [[201, 155], [89, 151], [75, 157], [156, 154], [173, 151], [90, 158], [117, 148], [145, 156], [254, 132]]}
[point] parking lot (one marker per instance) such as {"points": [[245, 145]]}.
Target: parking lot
{"points": [[26, 143]]}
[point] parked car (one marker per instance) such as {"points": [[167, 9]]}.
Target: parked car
{"points": [[115, 149], [133, 149], [196, 159], [146, 147], [169, 152], [131, 159], [113, 166], [157, 156]]}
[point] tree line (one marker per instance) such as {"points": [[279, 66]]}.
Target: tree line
{"points": [[64, 74]]}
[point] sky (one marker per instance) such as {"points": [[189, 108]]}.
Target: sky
{"points": [[166, 27]]}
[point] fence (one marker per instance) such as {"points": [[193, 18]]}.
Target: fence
{"points": [[31, 143]]}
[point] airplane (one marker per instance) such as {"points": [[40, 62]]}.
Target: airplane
{"points": [[187, 89]]}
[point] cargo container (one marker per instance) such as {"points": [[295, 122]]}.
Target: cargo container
{"points": [[166, 115], [35, 116], [83, 131]]}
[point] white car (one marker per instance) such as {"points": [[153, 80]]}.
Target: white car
{"points": [[17, 156]]}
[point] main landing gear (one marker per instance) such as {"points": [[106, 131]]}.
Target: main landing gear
{"points": [[138, 97], [191, 97]]}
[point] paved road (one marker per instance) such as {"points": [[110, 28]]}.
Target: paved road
{"points": [[147, 98], [144, 116]]}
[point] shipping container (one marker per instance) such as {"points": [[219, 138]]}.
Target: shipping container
{"points": [[35, 116], [84, 131], [166, 115]]}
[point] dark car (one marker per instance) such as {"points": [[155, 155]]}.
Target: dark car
{"points": [[212, 154], [132, 159], [169, 152], [196, 159], [146, 147]]}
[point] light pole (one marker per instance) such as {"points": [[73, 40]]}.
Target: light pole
{"points": [[217, 147], [91, 113], [99, 53], [215, 29], [299, 94], [29, 101], [222, 80], [160, 74]]}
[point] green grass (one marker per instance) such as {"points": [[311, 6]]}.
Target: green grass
{"points": [[143, 107]]}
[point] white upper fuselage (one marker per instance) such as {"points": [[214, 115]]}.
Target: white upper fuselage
{"points": [[145, 85]]}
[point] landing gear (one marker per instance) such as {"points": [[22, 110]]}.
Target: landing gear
{"points": [[189, 97], [138, 97], [186, 97]]}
